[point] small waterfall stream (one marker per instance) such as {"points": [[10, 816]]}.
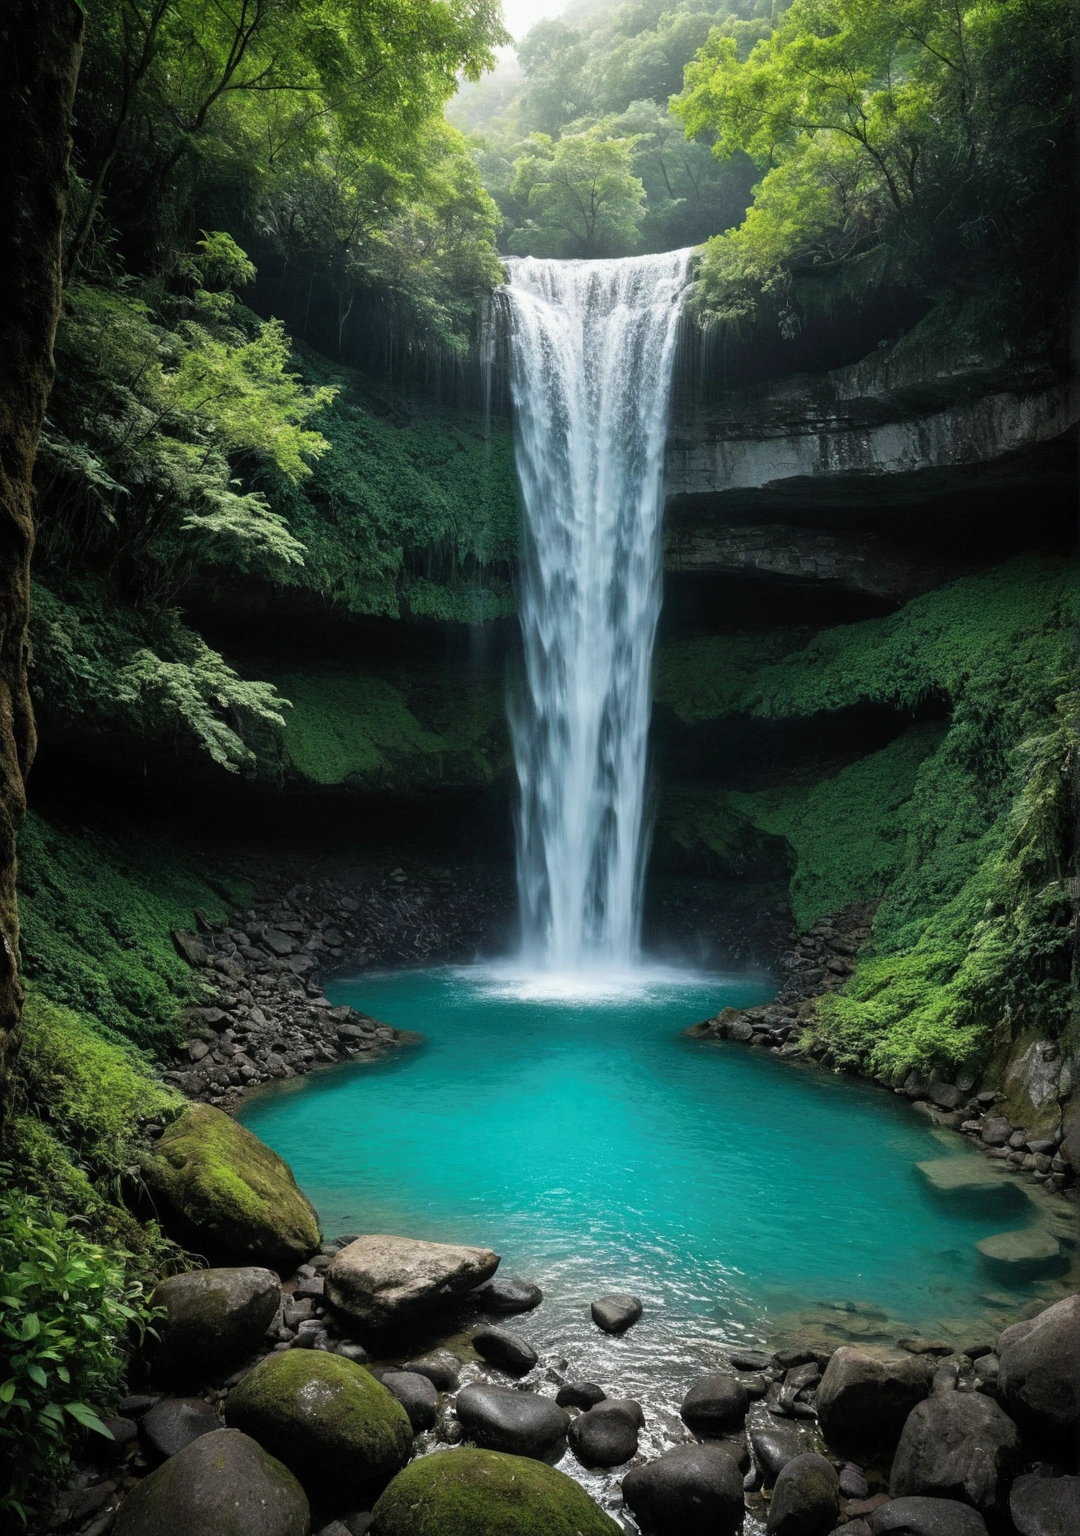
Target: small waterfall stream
{"points": [[591, 345]]}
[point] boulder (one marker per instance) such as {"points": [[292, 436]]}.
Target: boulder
{"points": [[507, 1295], [440, 1367], [773, 1447], [693, 1490], [616, 1313], [582, 1394], [220, 1485], [957, 1445], [503, 1419], [378, 1279], [715, 1405], [214, 1319], [926, 1517], [605, 1435], [806, 1498], [416, 1394], [506, 1351], [1038, 1378], [751, 1360], [1045, 1506], [866, 1395], [176, 1422], [221, 1192], [485, 1493], [332, 1424]]}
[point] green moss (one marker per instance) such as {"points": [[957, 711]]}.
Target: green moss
{"points": [[473, 1493], [97, 914], [352, 728], [224, 1193], [696, 819], [709, 677], [326, 1418]]}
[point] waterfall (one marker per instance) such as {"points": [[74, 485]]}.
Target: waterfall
{"points": [[591, 350]]}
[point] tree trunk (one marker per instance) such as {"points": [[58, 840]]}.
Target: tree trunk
{"points": [[40, 46]]}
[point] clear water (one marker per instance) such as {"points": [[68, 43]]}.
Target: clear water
{"points": [[591, 349], [584, 1139]]}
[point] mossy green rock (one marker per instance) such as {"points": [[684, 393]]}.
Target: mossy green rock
{"points": [[486, 1493], [327, 1419], [220, 1485], [222, 1193]]}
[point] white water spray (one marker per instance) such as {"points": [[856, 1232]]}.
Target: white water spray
{"points": [[592, 345]]}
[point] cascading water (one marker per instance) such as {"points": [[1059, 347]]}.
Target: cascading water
{"points": [[591, 350]]}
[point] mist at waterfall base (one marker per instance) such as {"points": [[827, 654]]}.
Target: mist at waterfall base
{"points": [[591, 347]]}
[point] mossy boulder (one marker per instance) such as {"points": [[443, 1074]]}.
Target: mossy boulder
{"points": [[341, 1431], [214, 1319], [223, 1193], [486, 1493], [220, 1485]]}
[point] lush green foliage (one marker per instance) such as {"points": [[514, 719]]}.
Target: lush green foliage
{"points": [[70, 1310], [589, 119], [918, 142], [960, 830]]}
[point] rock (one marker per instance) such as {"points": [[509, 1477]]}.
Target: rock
{"points": [[944, 1095], [1030, 1251], [440, 1367], [1038, 1378], [995, 1131], [176, 1422], [1045, 1506], [973, 1179], [379, 1279], [221, 1485], [520, 1423], [504, 1350], [866, 1395], [339, 1430], [214, 1319], [806, 1498], [221, 1192], [957, 1445], [606, 1435], [714, 1405], [354, 1352], [616, 1313], [416, 1394], [693, 1490], [773, 1448], [751, 1360], [507, 1295], [584, 1394], [484, 1493], [926, 1517], [852, 1483]]}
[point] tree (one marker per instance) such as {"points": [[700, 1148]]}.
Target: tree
{"points": [[39, 64], [581, 194]]}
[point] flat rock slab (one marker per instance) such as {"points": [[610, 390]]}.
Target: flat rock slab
{"points": [[1031, 1248], [969, 1177], [378, 1279]]}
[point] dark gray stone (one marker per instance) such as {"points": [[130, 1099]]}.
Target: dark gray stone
{"points": [[506, 1351], [864, 1398], [606, 1435], [1045, 1506], [583, 1394], [440, 1367], [693, 1490], [416, 1394], [507, 1295], [354, 1352], [926, 1517], [773, 1448], [714, 1405], [957, 1445], [214, 1319], [616, 1313], [852, 1483], [176, 1422], [1038, 1377], [751, 1360], [503, 1419], [217, 1486], [806, 1498]]}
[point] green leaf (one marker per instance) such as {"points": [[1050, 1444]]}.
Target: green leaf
{"points": [[89, 1419]]}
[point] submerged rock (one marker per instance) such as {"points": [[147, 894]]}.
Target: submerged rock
{"points": [[337, 1428], [714, 1405], [222, 1192], [214, 1319], [693, 1490], [864, 1398], [506, 1351], [486, 1493], [221, 1485], [1038, 1377], [1026, 1252], [957, 1445], [616, 1313], [806, 1498], [379, 1279], [503, 1419]]}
